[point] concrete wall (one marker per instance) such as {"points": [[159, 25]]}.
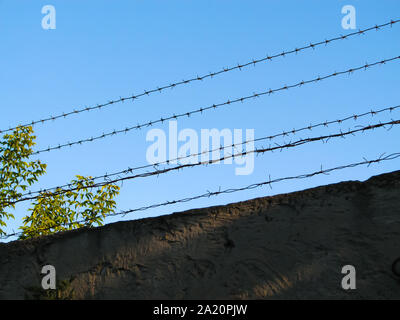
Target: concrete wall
{"points": [[289, 246]]}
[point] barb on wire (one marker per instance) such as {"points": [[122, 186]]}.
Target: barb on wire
{"points": [[209, 194], [107, 177], [200, 78], [261, 150], [212, 107]]}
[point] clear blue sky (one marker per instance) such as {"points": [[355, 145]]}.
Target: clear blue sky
{"points": [[102, 50]]}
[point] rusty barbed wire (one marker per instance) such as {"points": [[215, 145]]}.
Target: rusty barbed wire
{"points": [[260, 150], [326, 123], [214, 106], [253, 62], [209, 194]]}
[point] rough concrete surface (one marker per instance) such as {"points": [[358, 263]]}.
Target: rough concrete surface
{"points": [[289, 246]]}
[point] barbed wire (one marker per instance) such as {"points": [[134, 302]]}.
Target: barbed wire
{"points": [[209, 194], [260, 150], [310, 127], [214, 106], [253, 62]]}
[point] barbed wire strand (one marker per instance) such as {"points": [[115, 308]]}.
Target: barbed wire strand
{"points": [[253, 62], [310, 127], [260, 150], [209, 194], [213, 107]]}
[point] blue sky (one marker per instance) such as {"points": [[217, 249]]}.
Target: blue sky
{"points": [[101, 50]]}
